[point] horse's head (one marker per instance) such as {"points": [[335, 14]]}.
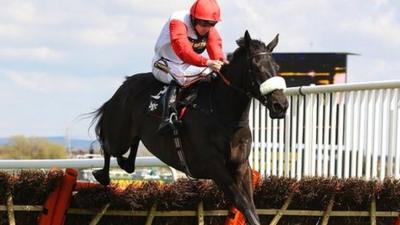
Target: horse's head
{"points": [[262, 79]]}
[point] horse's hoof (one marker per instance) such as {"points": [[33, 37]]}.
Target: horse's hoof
{"points": [[129, 167], [102, 177]]}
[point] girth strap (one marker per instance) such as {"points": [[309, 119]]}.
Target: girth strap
{"points": [[179, 151]]}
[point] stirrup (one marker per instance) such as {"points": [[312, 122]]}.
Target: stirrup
{"points": [[175, 121], [173, 118], [166, 126]]}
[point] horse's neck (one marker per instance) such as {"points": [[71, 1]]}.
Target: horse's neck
{"points": [[230, 104]]}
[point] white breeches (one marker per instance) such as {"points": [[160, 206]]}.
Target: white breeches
{"points": [[184, 73]]}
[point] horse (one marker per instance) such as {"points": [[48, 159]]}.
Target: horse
{"points": [[215, 135]]}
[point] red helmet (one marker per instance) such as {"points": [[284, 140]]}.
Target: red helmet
{"points": [[206, 10]]}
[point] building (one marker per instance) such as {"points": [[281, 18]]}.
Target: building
{"points": [[304, 69]]}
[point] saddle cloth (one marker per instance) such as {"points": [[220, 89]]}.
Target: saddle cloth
{"points": [[184, 97]]}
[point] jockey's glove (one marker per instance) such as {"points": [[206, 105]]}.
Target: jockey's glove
{"points": [[215, 65]]}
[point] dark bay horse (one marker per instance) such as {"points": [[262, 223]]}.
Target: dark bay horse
{"points": [[215, 135]]}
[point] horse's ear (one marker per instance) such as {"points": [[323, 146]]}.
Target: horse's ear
{"points": [[229, 56], [244, 41], [247, 39], [273, 43]]}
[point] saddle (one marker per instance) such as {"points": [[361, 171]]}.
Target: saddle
{"points": [[172, 102], [185, 97]]}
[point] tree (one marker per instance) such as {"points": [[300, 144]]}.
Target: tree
{"points": [[21, 147]]}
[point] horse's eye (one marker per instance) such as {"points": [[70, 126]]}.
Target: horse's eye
{"points": [[256, 60], [258, 68]]}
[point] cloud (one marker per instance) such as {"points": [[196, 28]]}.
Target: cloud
{"points": [[9, 31], [41, 104], [61, 58], [42, 54], [19, 11], [316, 25], [385, 27], [55, 84], [101, 37]]}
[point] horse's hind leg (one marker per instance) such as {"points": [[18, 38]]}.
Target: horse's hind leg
{"points": [[128, 164], [103, 175]]}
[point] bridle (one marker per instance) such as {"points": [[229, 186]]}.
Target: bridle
{"points": [[250, 72], [253, 80]]}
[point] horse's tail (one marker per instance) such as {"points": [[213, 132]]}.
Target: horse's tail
{"points": [[131, 87], [98, 120]]}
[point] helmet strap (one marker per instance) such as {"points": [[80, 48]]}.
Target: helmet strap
{"points": [[193, 21]]}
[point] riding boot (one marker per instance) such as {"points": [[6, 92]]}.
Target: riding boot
{"points": [[168, 105]]}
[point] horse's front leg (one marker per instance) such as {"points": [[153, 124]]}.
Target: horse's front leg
{"points": [[212, 161], [233, 176], [222, 176], [239, 164]]}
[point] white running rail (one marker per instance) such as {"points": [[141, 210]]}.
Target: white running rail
{"points": [[75, 163], [82, 164], [346, 130]]}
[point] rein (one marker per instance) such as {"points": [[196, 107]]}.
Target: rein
{"points": [[229, 84], [240, 90], [236, 88]]}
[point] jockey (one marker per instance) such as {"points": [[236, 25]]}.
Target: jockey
{"points": [[178, 58]]}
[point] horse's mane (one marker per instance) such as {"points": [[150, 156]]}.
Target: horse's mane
{"points": [[240, 51]]}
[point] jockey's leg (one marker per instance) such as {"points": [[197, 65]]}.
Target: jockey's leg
{"points": [[182, 74], [168, 104]]}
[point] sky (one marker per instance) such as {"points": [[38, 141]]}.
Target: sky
{"points": [[62, 59]]}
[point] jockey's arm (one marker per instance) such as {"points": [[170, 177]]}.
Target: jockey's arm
{"points": [[182, 46], [214, 45]]}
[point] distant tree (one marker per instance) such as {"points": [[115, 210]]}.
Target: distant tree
{"points": [[21, 147]]}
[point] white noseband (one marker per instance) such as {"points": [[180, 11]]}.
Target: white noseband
{"points": [[272, 84]]}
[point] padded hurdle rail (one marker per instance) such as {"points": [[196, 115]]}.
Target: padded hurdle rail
{"points": [[69, 180]]}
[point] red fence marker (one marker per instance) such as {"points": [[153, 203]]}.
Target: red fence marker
{"points": [[57, 204], [84, 185], [64, 196], [397, 221], [47, 213], [49, 206]]}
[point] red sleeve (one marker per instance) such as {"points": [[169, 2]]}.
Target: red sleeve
{"points": [[182, 46], [214, 45]]}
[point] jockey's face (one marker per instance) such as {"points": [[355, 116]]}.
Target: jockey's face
{"points": [[203, 26], [202, 30]]}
